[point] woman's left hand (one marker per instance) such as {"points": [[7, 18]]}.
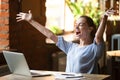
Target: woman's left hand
{"points": [[109, 12]]}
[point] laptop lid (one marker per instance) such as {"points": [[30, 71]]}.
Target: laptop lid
{"points": [[17, 63]]}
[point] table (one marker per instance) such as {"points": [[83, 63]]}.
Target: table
{"points": [[115, 53], [114, 64], [53, 77]]}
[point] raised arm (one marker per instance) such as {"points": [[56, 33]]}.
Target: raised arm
{"points": [[28, 17], [101, 28]]}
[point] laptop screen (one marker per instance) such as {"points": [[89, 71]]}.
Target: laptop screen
{"points": [[17, 63]]}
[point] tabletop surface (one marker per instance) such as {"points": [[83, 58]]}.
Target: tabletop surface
{"points": [[114, 53], [57, 76]]}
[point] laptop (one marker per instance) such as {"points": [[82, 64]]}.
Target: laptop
{"points": [[18, 65]]}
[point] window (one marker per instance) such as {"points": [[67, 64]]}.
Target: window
{"points": [[58, 14]]}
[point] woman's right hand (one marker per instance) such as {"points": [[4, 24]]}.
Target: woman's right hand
{"points": [[24, 16]]}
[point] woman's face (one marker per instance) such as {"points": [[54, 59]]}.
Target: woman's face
{"points": [[82, 29]]}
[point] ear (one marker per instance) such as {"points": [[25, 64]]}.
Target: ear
{"points": [[90, 29]]}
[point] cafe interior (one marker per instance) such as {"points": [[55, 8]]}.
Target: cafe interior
{"points": [[59, 16]]}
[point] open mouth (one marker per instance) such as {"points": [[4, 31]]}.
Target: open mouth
{"points": [[77, 33]]}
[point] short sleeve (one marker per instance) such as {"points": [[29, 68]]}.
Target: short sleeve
{"points": [[99, 49], [63, 45]]}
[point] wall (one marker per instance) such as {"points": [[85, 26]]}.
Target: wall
{"points": [[4, 24], [27, 39], [21, 36], [37, 8], [4, 27]]}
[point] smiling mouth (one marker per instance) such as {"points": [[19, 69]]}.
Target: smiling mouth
{"points": [[77, 33]]}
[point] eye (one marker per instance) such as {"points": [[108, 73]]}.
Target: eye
{"points": [[82, 24]]}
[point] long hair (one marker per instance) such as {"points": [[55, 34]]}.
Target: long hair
{"points": [[90, 23]]}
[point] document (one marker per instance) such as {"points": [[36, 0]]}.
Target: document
{"points": [[68, 75]]}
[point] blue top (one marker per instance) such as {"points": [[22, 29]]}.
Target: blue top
{"points": [[81, 59]]}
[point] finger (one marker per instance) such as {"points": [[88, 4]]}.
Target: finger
{"points": [[18, 17], [19, 20], [111, 8], [21, 14], [110, 12], [18, 14]]}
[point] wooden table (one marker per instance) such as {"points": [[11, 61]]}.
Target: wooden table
{"points": [[115, 53], [113, 63], [53, 77]]}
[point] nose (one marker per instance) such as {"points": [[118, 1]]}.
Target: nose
{"points": [[77, 30]]}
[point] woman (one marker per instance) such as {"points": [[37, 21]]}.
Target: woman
{"points": [[82, 57]]}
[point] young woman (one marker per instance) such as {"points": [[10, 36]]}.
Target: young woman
{"points": [[82, 57]]}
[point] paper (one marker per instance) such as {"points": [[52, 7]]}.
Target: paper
{"points": [[61, 75], [68, 75]]}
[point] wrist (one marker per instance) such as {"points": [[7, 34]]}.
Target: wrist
{"points": [[105, 16], [30, 20]]}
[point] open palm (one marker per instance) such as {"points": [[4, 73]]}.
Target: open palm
{"points": [[109, 12], [24, 16]]}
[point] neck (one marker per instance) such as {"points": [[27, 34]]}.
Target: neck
{"points": [[85, 42]]}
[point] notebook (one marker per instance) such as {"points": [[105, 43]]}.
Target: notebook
{"points": [[18, 65]]}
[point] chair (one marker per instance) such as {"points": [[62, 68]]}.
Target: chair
{"points": [[115, 59], [117, 37]]}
